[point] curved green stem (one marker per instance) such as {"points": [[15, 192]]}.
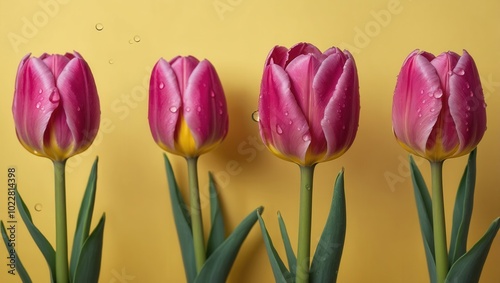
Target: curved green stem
{"points": [[62, 274], [305, 215], [195, 209], [438, 220]]}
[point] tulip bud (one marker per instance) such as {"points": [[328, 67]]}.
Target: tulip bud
{"points": [[309, 103], [438, 106], [187, 107], [56, 106]]}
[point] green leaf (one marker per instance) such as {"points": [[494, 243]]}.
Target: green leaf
{"points": [[292, 260], [182, 223], [21, 271], [326, 261], [84, 218], [218, 265], [89, 262], [463, 210], [281, 274], [217, 234], [424, 209], [43, 244], [467, 269]]}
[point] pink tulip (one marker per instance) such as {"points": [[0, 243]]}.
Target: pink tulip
{"points": [[56, 106], [309, 103], [438, 108], [187, 108]]}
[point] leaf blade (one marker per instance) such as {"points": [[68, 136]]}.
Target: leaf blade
{"points": [[217, 233], [21, 271], [292, 260], [326, 261], [182, 223], [89, 263], [84, 218]]}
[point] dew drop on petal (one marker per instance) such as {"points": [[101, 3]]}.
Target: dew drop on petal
{"points": [[221, 111], [162, 85], [198, 109], [188, 109], [438, 93], [38, 104], [422, 91], [450, 73], [471, 93], [40, 91], [423, 101], [78, 109], [432, 109], [419, 115], [255, 116], [468, 108], [54, 96], [99, 27], [286, 113], [279, 130], [306, 137], [173, 109], [212, 94], [467, 85], [460, 72], [290, 122]]}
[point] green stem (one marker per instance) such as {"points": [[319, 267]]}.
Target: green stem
{"points": [[305, 215], [62, 274], [195, 208], [438, 218]]}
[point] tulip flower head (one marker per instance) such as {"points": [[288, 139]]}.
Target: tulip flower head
{"points": [[438, 106], [56, 106], [187, 107], [309, 103]]}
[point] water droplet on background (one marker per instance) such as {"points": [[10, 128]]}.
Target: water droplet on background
{"points": [[255, 116], [38, 207], [99, 27], [137, 38], [111, 61]]}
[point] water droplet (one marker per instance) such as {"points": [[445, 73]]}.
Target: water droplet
{"points": [[419, 115], [38, 207], [78, 109], [306, 137], [161, 85], [130, 41], [450, 73], [432, 109], [40, 91], [460, 72], [279, 130], [38, 104], [468, 108], [221, 111], [438, 93], [308, 188], [99, 27], [467, 129], [188, 109], [422, 91], [423, 101], [173, 109], [467, 85], [484, 105], [255, 116], [419, 109], [137, 38], [198, 109], [212, 94], [466, 115], [471, 93], [286, 113], [290, 122], [111, 61], [54, 96]]}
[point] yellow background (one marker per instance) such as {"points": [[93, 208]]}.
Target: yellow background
{"points": [[383, 241]]}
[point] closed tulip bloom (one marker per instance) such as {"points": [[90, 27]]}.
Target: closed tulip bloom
{"points": [[56, 106], [309, 103], [187, 107], [438, 106]]}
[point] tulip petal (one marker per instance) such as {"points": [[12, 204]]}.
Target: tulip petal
{"points": [[443, 140], [304, 49], [283, 126], [34, 83], [205, 108], [183, 67], [278, 56], [341, 119], [164, 104], [80, 103], [415, 107], [56, 63], [466, 103]]}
